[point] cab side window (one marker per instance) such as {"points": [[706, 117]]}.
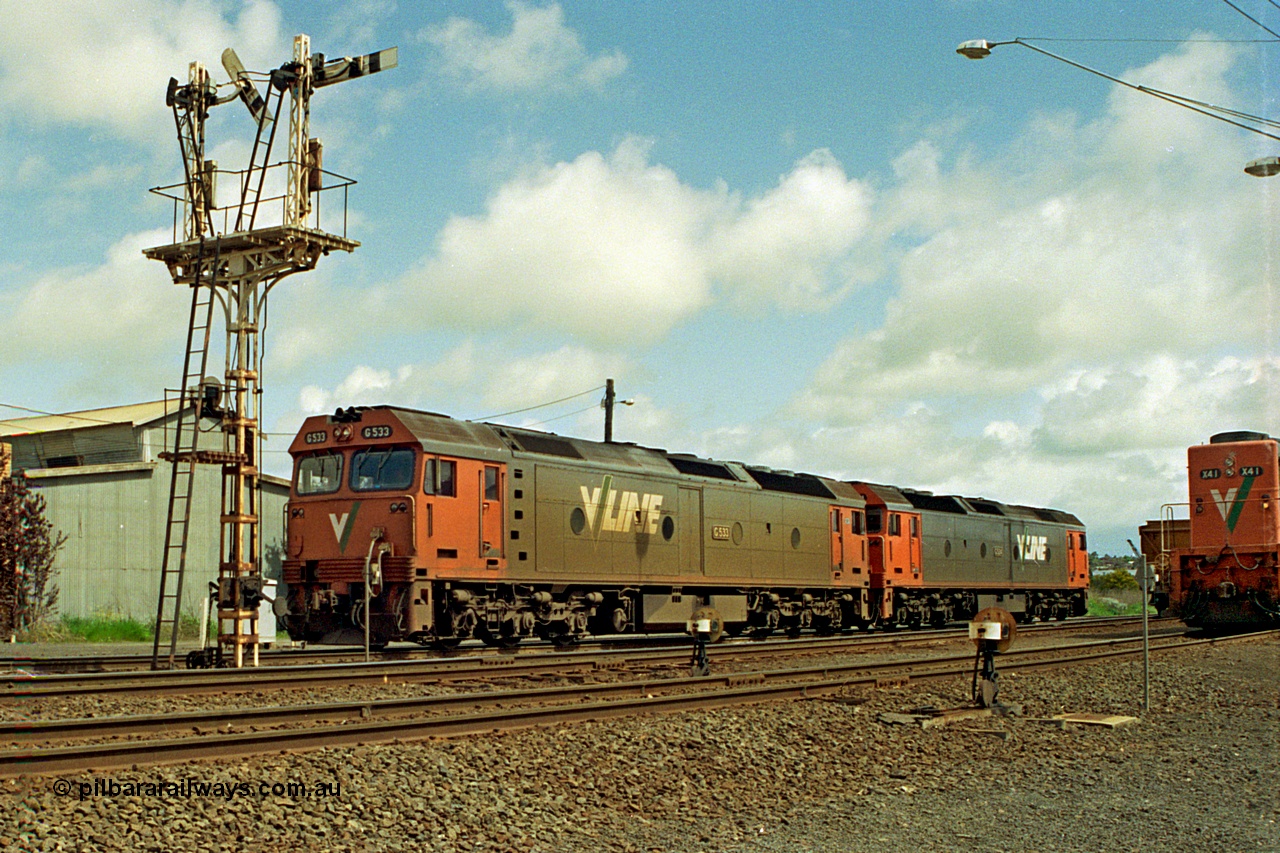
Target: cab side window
{"points": [[440, 477], [895, 524]]}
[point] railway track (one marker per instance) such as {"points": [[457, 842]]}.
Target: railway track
{"points": [[218, 733], [437, 670], [311, 656]]}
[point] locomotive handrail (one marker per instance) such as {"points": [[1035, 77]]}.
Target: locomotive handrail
{"points": [[1166, 522]]}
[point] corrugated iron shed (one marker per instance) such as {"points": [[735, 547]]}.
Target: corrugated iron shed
{"points": [[107, 489]]}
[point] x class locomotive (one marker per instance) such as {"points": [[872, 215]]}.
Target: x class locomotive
{"points": [[1221, 567], [453, 529]]}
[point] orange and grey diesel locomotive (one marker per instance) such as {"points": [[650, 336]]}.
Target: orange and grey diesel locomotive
{"points": [[1221, 566], [452, 529]]}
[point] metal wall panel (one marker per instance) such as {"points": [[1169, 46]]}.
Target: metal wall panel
{"points": [[115, 521]]}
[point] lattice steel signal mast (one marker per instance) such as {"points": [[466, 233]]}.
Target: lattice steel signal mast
{"points": [[231, 256]]}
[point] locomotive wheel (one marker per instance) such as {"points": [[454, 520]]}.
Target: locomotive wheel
{"points": [[564, 640], [500, 640], [446, 644]]}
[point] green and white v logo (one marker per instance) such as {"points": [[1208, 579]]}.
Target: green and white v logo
{"points": [[1231, 504], [343, 524]]}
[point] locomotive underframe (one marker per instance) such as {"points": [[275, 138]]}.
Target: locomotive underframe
{"points": [[502, 614], [919, 607], [1228, 588]]}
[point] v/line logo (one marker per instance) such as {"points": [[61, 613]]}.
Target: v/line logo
{"points": [[1030, 548], [1231, 504], [343, 524], [612, 511]]}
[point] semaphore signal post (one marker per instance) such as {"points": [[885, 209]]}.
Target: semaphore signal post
{"points": [[231, 255]]}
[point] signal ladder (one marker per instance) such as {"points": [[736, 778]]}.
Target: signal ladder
{"points": [[185, 456]]}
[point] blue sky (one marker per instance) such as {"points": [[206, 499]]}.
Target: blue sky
{"points": [[804, 235]]}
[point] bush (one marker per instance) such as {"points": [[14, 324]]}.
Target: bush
{"points": [[1116, 580], [28, 546]]}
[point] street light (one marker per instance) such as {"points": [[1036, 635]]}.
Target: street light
{"points": [[1263, 167], [978, 48]]}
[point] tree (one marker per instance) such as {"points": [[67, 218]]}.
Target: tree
{"points": [[28, 546], [1116, 580]]}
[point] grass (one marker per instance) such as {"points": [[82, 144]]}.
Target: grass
{"points": [[105, 628], [1101, 606]]}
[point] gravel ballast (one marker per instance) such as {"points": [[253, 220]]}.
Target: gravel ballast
{"points": [[1199, 771]]}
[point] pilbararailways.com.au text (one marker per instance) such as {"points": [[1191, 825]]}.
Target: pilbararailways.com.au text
{"points": [[191, 788]]}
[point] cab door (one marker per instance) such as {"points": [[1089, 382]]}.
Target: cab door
{"points": [[492, 544], [837, 541], [914, 543], [448, 523]]}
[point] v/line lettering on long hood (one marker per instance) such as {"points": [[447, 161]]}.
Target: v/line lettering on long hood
{"points": [[1033, 549], [612, 511]]}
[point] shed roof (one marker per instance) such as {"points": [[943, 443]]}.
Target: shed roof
{"points": [[133, 414]]}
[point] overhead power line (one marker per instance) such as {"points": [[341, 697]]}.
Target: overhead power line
{"points": [[1252, 18], [566, 415], [1237, 118], [543, 405]]}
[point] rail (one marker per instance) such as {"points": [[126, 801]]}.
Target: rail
{"points": [[552, 706]]}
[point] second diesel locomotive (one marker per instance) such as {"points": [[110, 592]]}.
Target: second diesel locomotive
{"points": [[1222, 565], [453, 529]]}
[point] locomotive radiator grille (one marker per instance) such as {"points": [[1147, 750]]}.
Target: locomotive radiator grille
{"points": [[347, 570]]}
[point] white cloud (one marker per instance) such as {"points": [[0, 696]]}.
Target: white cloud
{"points": [[364, 386], [607, 248], [99, 319], [106, 64], [491, 377], [787, 242], [539, 54], [615, 249], [1022, 276], [1072, 316], [490, 382]]}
